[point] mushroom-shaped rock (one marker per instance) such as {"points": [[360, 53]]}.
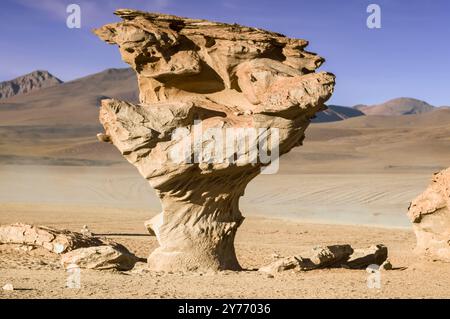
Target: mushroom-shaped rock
{"points": [[218, 104]]}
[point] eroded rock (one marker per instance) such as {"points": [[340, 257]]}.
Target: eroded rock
{"points": [[54, 240], [100, 258], [330, 257], [194, 76], [322, 257], [430, 217], [319, 257], [281, 264]]}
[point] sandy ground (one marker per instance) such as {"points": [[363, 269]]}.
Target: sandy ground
{"points": [[289, 215], [37, 274]]}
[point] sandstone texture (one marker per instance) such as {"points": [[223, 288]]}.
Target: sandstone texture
{"points": [[430, 217], [194, 76], [54, 240], [330, 257], [76, 249], [100, 258]]}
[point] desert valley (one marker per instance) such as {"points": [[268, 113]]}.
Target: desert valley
{"points": [[350, 183]]}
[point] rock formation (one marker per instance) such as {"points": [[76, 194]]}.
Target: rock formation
{"points": [[100, 258], [84, 251], [430, 215], [195, 76], [330, 257], [27, 83]]}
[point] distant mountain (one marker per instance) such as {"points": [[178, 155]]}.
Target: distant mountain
{"points": [[336, 113], [70, 103], [33, 81], [399, 106]]}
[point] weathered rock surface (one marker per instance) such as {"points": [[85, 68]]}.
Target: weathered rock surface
{"points": [[319, 257], [329, 257], [57, 241], [430, 216], [281, 264], [226, 76], [27, 83], [361, 258], [100, 258]]}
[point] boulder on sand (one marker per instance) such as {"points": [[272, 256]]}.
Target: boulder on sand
{"points": [[100, 258]]}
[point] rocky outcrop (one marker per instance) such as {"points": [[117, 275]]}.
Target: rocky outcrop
{"points": [[27, 83], [430, 217], [54, 240], [199, 78], [100, 258], [330, 257]]}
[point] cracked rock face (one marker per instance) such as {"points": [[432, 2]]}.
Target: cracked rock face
{"points": [[197, 76], [430, 215]]}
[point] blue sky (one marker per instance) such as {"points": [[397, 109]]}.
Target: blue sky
{"points": [[408, 56]]}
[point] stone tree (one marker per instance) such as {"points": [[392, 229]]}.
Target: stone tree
{"points": [[195, 76]]}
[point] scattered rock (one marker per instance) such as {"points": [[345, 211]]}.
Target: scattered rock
{"points": [[57, 241], [270, 276], [227, 76], [430, 216], [281, 265], [361, 258], [328, 257], [8, 287], [100, 258]]}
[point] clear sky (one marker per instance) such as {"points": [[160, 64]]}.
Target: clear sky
{"points": [[409, 56]]}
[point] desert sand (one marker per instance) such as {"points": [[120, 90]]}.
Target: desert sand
{"points": [[257, 241], [70, 197]]}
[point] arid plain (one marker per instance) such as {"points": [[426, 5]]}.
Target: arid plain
{"points": [[351, 182]]}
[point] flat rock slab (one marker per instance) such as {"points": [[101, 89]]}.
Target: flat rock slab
{"points": [[57, 241]]}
